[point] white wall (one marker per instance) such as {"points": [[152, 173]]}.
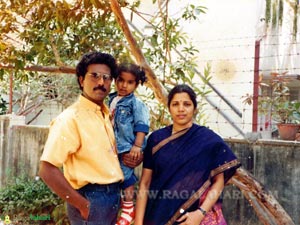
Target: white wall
{"points": [[225, 36]]}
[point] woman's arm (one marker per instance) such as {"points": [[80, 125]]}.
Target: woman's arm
{"points": [[142, 196], [211, 198]]}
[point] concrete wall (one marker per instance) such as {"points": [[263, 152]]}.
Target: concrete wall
{"points": [[20, 147], [274, 163]]}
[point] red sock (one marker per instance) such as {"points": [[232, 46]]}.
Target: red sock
{"points": [[127, 207], [127, 214]]}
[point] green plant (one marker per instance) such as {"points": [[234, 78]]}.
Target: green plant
{"points": [[287, 111], [283, 109], [274, 100], [264, 105], [3, 106], [24, 197]]}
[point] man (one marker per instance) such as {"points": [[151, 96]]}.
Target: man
{"points": [[81, 140]]}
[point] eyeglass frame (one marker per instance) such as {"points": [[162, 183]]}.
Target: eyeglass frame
{"points": [[97, 76]]}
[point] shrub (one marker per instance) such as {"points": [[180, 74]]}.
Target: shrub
{"points": [[3, 106], [25, 200]]}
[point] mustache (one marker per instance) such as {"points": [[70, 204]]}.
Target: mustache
{"points": [[102, 88]]}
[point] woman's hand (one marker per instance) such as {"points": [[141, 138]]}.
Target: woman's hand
{"points": [[191, 218]]}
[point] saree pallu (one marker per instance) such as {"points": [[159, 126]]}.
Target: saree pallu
{"points": [[181, 166]]}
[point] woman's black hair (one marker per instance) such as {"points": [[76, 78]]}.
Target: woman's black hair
{"points": [[137, 71], [95, 58], [180, 88]]}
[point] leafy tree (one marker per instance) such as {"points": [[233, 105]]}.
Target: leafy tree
{"points": [[45, 36]]}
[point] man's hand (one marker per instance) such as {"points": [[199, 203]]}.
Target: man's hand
{"points": [[130, 162], [85, 211]]}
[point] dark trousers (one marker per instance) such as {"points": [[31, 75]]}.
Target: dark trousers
{"points": [[104, 205]]}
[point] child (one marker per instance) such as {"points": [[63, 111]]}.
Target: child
{"points": [[130, 119]]}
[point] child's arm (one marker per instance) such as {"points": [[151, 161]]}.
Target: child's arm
{"points": [[136, 148]]}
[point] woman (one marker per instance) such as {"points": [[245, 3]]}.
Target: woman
{"points": [[185, 168]]}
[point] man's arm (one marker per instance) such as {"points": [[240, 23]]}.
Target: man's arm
{"points": [[56, 181]]}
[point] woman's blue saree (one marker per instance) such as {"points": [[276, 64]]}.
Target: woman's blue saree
{"points": [[181, 166]]}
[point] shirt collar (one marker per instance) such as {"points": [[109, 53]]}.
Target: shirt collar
{"points": [[88, 104]]}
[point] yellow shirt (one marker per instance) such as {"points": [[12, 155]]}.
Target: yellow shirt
{"points": [[81, 139]]}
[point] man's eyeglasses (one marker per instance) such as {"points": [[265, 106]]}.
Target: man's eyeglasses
{"points": [[97, 76]]}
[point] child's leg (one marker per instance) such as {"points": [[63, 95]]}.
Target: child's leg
{"points": [[129, 193], [127, 206]]}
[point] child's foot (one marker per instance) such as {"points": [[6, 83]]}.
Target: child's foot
{"points": [[127, 214]]}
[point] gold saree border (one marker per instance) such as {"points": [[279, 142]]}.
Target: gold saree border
{"points": [[168, 139], [201, 190]]}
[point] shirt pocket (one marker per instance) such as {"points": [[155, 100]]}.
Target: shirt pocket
{"points": [[124, 115]]}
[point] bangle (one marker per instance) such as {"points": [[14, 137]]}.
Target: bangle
{"points": [[202, 211], [137, 146]]}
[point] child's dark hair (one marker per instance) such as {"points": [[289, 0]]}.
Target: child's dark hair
{"points": [[137, 71]]}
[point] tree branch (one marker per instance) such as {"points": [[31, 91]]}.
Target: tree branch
{"points": [[61, 69], [55, 51], [267, 208], [158, 89]]}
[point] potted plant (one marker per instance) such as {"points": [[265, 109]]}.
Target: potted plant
{"points": [[284, 111], [274, 105], [287, 115]]}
